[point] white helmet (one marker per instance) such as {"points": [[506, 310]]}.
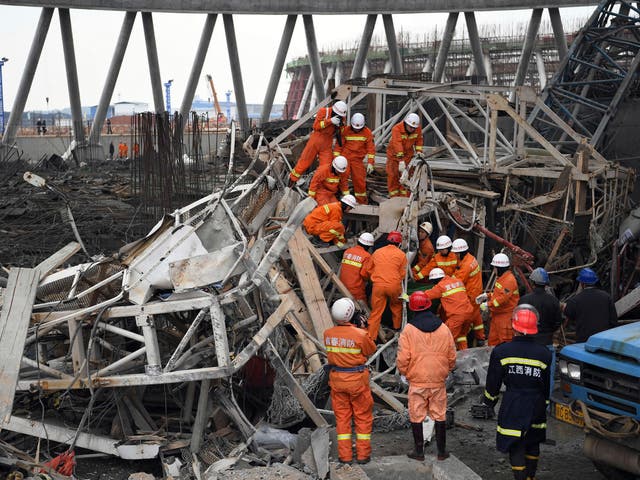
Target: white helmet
{"points": [[500, 260], [427, 227], [412, 119], [349, 200], [340, 108], [342, 310], [459, 245], [357, 121], [340, 164], [366, 239], [443, 242], [436, 274]]}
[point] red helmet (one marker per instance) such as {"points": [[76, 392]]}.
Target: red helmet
{"points": [[394, 237], [525, 319], [419, 301]]}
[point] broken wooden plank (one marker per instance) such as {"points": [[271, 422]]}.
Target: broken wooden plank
{"points": [[54, 261], [14, 322], [466, 190], [387, 397]]}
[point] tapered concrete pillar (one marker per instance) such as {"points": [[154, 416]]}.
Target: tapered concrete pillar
{"points": [[445, 44], [112, 77], [72, 74], [314, 56], [527, 47], [363, 48], [392, 43], [305, 97], [474, 40], [196, 68], [236, 71], [27, 76], [558, 33], [278, 65], [154, 65]]}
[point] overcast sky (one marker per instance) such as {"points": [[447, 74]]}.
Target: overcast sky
{"points": [[177, 36]]}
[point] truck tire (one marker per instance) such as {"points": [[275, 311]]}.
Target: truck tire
{"points": [[613, 473]]}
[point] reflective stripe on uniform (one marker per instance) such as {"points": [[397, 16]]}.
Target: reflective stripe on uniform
{"points": [[478, 327], [332, 180], [344, 436], [339, 244], [351, 262], [393, 192], [417, 268], [321, 123], [371, 155], [357, 194], [452, 291], [538, 425], [294, 173], [354, 351], [400, 154], [420, 276], [531, 457], [461, 339], [363, 436], [524, 361], [326, 209], [498, 285], [418, 148], [312, 193], [335, 232], [495, 303], [475, 271], [354, 138], [518, 469], [346, 192], [447, 264], [509, 432], [491, 397]]}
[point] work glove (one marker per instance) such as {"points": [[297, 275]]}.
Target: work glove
{"points": [[402, 166], [483, 297], [370, 169], [404, 297], [484, 307], [336, 121], [404, 380]]}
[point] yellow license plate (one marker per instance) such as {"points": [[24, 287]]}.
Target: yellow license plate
{"points": [[564, 413]]}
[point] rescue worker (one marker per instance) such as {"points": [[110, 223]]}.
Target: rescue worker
{"points": [[426, 355], [386, 268], [523, 367], [547, 306], [320, 143], [468, 270], [591, 309], [351, 268], [444, 259], [325, 221], [425, 248], [501, 301], [405, 137], [328, 179], [347, 350], [454, 304], [357, 143]]}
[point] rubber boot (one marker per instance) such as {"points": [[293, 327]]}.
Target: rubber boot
{"points": [[519, 474], [531, 462], [441, 440], [418, 439]]}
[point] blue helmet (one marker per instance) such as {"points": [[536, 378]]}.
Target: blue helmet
{"points": [[539, 276], [587, 276]]}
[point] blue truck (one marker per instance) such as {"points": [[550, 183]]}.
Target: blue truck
{"points": [[600, 391]]}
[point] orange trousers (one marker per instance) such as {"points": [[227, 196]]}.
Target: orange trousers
{"points": [[393, 180], [329, 231], [318, 146], [477, 327], [459, 326], [358, 174], [500, 330], [425, 401], [323, 197], [356, 404], [380, 295]]}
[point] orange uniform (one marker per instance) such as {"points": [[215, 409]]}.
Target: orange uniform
{"points": [[325, 184], [425, 254], [400, 149], [325, 222], [456, 306], [386, 268], [351, 271], [320, 144], [426, 355], [355, 146], [501, 302], [347, 350], [448, 264], [469, 271]]}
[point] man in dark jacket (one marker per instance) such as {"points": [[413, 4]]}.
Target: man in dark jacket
{"points": [[548, 307], [592, 309], [523, 366]]}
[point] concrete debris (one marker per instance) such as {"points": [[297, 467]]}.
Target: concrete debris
{"points": [[201, 342]]}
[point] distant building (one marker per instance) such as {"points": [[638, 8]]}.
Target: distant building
{"points": [[254, 110], [129, 108]]}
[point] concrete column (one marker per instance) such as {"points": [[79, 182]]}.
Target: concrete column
{"points": [[474, 39], [305, 96], [365, 69], [339, 73], [236, 72], [27, 76], [196, 68], [428, 65], [72, 74], [542, 72], [112, 77], [154, 65], [527, 47], [278, 65], [558, 33], [394, 51], [445, 44], [363, 48], [314, 56], [488, 67]]}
